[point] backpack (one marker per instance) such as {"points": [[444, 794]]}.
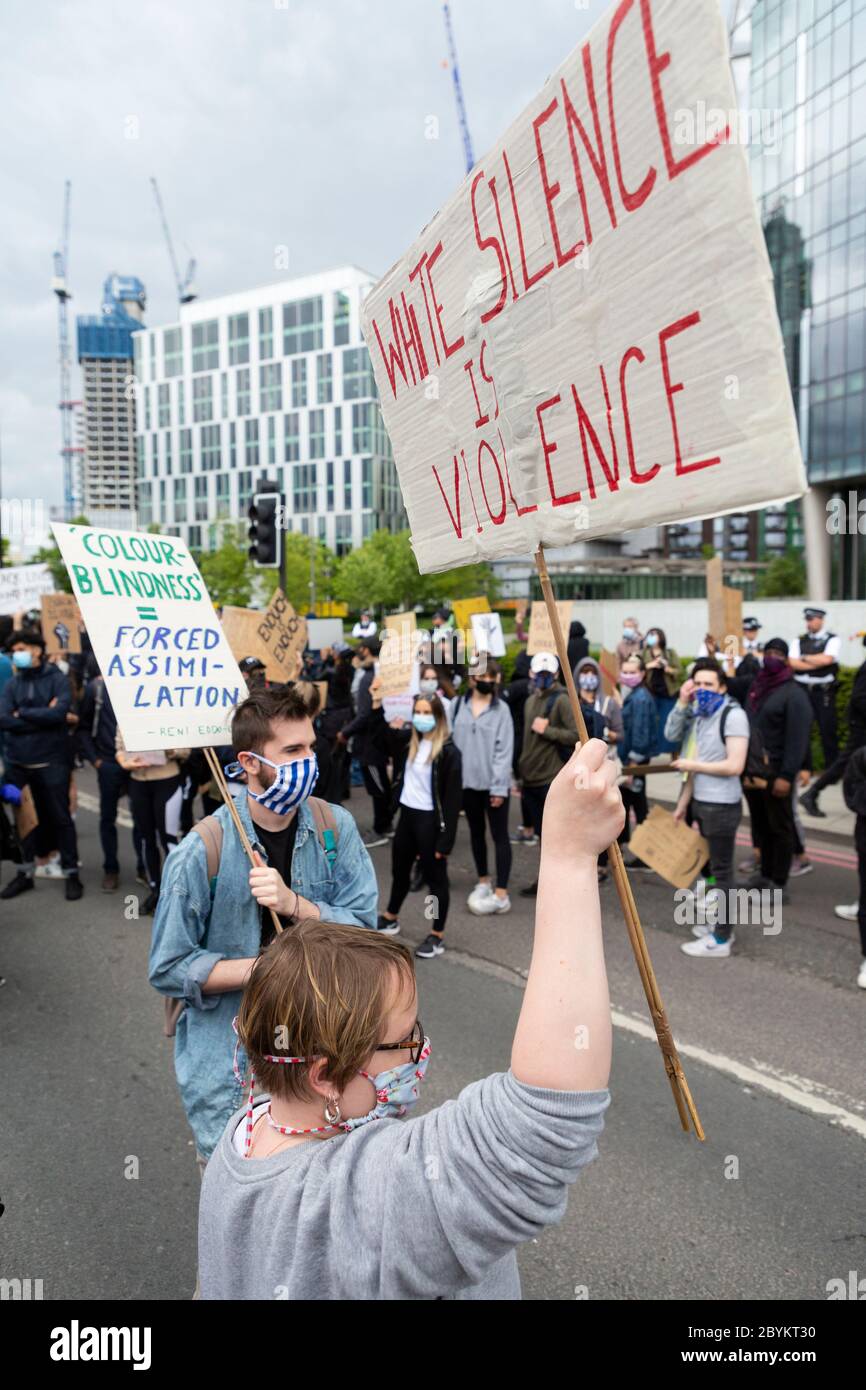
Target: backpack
{"points": [[756, 772], [854, 782], [211, 832]]}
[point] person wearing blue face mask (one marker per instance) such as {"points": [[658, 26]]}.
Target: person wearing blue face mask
{"points": [[213, 915], [322, 1189], [716, 732], [428, 788]]}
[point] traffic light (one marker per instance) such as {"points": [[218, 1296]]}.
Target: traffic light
{"points": [[264, 532]]}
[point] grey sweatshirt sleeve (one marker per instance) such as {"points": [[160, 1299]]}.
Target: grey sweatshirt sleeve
{"points": [[503, 752], [470, 1181], [675, 724]]}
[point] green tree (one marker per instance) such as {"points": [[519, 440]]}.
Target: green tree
{"points": [[383, 574], [297, 550], [784, 577], [49, 555], [228, 574]]}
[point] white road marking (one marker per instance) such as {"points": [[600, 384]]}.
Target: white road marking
{"points": [[800, 1091]]}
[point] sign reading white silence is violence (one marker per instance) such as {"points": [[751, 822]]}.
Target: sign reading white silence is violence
{"points": [[171, 678], [585, 340]]}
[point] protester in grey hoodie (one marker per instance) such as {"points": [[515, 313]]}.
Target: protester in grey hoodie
{"points": [[483, 730], [337, 1200]]}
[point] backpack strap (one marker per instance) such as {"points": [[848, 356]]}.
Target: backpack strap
{"points": [[211, 832], [327, 831]]}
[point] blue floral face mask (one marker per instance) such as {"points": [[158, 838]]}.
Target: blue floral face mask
{"points": [[708, 701], [396, 1089]]}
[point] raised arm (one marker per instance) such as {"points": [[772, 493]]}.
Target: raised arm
{"points": [[563, 1037]]}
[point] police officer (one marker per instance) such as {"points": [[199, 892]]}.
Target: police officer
{"points": [[814, 658]]}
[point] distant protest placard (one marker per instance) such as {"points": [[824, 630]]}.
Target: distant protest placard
{"points": [[584, 339], [171, 677], [398, 665], [464, 608], [541, 638], [276, 635], [487, 634], [23, 586], [60, 619]]}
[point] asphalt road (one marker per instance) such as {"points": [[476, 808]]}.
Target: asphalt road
{"points": [[772, 1043]]}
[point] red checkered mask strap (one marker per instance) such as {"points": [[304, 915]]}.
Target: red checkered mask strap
{"points": [[396, 1090]]}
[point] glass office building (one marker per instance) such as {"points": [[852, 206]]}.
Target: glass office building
{"points": [[808, 84]]}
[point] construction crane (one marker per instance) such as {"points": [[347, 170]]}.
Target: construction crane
{"points": [[186, 291], [60, 286], [458, 90]]}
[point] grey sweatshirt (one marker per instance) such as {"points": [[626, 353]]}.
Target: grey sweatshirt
{"points": [[486, 745], [427, 1208]]}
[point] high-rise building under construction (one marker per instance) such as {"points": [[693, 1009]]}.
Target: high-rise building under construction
{"points": [[107, 484]]}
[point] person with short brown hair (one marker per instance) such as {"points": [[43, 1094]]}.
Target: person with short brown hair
{"points": [[316, 1192]]}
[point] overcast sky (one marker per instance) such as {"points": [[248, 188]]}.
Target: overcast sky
{"points": [[266, 122]]}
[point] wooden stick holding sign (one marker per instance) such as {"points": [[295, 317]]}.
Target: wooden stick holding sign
{"points": [[676, 1076], [219, 778]]}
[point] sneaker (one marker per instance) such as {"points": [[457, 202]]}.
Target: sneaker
{"points": [[861, 978], [389, 833], [809, 804], [758, 881], [749, 866], [416, 878], [21, 883], [50, 870], [141, 876], [479, 894], [519, 838], [702, 929], [148, 907], [531, 891], [800, 866], [373, 838], [707, 947], [431, 946], [386, 927], [110, 883], [847, 911], [74, 888], [492, 904]]}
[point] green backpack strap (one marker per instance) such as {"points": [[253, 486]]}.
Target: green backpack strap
{"points": [[211, 832], [326, 827]]}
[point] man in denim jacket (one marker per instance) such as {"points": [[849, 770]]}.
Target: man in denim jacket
{"points": [[207, 935]]}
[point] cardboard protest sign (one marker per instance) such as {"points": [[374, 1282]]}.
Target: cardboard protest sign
{"points": [[60, 619], [609, 666], [725, 605], [584, 339], [541, 638], [487, 633], [26, 818], [276, 635], [398, 657], [670, 847], [171, 677], [464, 608], [23, 586]]}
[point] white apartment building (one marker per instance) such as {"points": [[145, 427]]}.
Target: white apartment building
{"points": [[273, 381]]}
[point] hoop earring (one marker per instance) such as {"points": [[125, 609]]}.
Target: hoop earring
{"points": [[332, 1117]]}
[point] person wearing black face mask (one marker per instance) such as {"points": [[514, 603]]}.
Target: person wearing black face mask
{"points": [[482, 729], [780, 712]]}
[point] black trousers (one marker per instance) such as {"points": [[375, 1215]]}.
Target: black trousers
{"points": [[634, 798], [417, 833], [823, 698], [149, 802], [49, 787], [718, 821], [836, 770], [533, 799], [773, 832], [113, 784], [860, 845], [378, 784], [477, 806]]}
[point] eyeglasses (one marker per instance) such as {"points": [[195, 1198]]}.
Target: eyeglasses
{"points": [[414, 1043]]}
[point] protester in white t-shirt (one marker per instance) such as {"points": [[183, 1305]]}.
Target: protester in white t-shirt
{"points": [[365, 627], [715, 730]]}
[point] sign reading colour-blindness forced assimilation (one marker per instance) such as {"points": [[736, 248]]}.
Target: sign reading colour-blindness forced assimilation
{"points": [[584, 340], [171, 678]]}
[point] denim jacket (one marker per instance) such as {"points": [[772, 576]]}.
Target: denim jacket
{"points": [[190, 936]]}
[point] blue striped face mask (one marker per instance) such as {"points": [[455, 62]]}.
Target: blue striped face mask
{"points": [[292, 785]]}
